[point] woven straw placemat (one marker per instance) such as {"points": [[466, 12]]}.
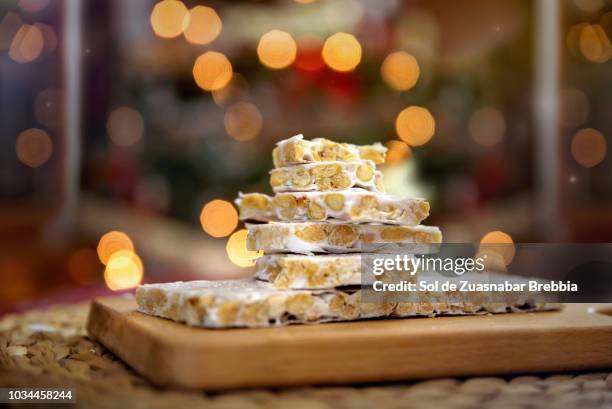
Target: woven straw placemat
{"points": [[51, 349]]}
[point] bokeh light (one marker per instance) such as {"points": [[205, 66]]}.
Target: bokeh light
{"points": [[83, 266], [589, 147], [33, 147], [124, 270], [219, 218], [9, 25], [204, 25], [400, 70], [33, 6], [575, 106], [48, 107], [341, 52], [487, 126], [243, 121], [493, 261], [237, 252], [27, 45], [212, 71], [276, 49], [169, 18], [594, 44], [111, 243], [415, 125], [397, 151], [125, 126], [500, 243]]}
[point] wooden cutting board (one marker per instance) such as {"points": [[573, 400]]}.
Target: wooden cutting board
{"points": [[168, 353]]}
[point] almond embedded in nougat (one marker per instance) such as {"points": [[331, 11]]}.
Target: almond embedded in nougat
{"points": [[316, 212], [395, 233], [286, 205], [299, 304], [365, 173], [343, 235], [313, 233], [278, 178], [335, 201], [257, 201], [301, 178], [369, 153]]}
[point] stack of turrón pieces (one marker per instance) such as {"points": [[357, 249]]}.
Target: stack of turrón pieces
{"points": [[329, 205]]}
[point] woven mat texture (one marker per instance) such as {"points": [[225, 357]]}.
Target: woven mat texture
{"points": [[51, 349]]}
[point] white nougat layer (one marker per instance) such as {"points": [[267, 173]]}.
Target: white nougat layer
{"points": [[321, 237], [253, 303], [297, 150], [351, 205]]}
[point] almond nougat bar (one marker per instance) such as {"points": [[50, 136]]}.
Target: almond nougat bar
{"points": [[354, 205], [322, 271], [313, 272], [253, 303], [321, 237], [297, 150], [327, 176]]}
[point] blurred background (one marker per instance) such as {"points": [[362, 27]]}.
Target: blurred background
{"points": [[128, 127]]}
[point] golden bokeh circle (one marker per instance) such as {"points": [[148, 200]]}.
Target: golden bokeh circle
{"points": [[341, 52], [111, 243], [500, 243], [212, 71], [237, 252], [219, 218], [594, 44], [204, 25], [27, 45], [400, 70], [276, 49], [169, 18], [589, 147], [124, 270], [33, 147], [415, 125]]}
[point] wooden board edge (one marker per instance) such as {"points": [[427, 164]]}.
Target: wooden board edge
{"points": [[103, 321], [582, 349]]}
